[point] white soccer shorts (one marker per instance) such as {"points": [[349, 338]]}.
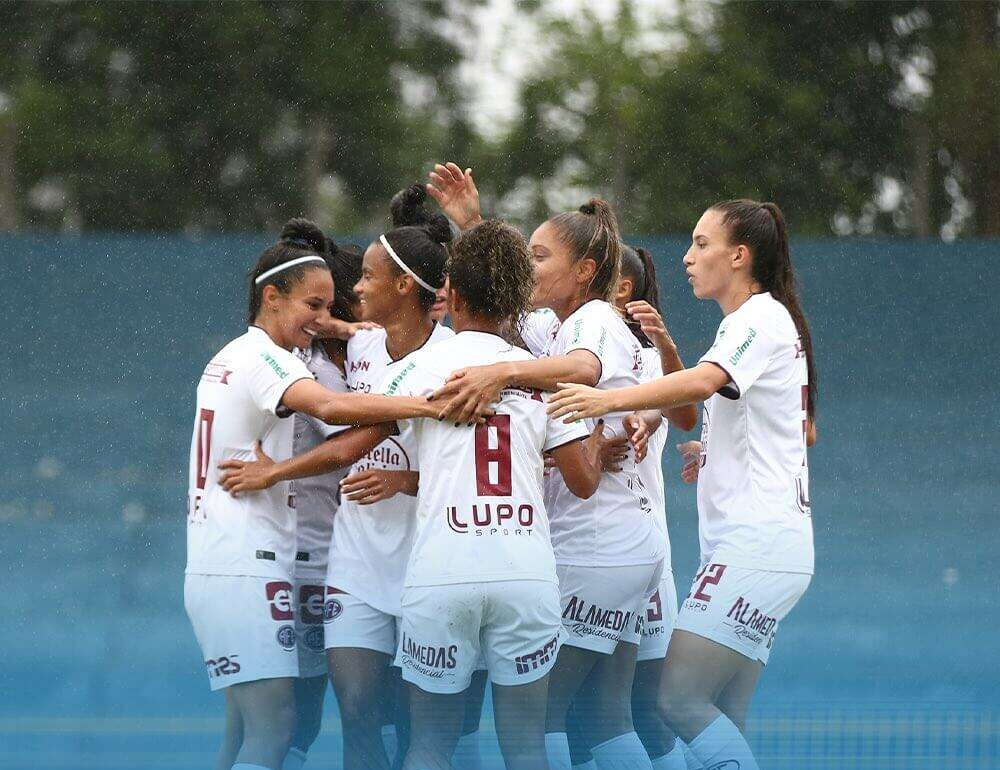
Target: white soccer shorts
{"points": [[740, 608], [350, 622], [245, 627], [447, 630], [601, 606], [658, 619]]}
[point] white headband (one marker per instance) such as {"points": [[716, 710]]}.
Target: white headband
{"points": [[284, 266], [402, 264]]}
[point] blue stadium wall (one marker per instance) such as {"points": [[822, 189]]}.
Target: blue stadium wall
{"points": [[890, 660]]}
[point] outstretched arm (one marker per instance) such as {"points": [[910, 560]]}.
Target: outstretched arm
{"points": [[688, 386]]}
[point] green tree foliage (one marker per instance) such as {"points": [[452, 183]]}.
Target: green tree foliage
{"points": [[220, 115], [805, 103]]}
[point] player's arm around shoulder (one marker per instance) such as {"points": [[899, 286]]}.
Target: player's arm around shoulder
{"points": [[579, 462]]}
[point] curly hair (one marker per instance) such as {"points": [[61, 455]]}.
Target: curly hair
{"points": [[490, 268]]}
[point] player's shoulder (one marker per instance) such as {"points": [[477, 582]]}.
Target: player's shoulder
{"points": [[364, 340], [770, 315], [327, 373]]}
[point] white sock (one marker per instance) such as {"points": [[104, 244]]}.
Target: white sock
{"points": [[672, 760], [294, 759], [245, 766], [590, 764], [390, 742], [466, 756], [625, 752], [557, 751], [722, 742], [691, 759]]}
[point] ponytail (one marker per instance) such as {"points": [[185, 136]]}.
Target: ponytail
{"points": [[761, 226], [591, 232], [637, 265]]}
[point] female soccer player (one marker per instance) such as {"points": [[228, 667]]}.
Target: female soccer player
{"points": [[758, 384], [482, 579], [608, 548], [317, 498], [238, 583], [373, 530]]}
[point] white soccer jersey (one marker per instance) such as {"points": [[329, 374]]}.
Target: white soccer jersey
{"points": [[480, 511], [239, 400], [316, 498], [538, 330], [371, 543], [651, 468], [753, 485], [615, 526]]}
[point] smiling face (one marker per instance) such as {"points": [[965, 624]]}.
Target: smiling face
{"points": [[559, 279], [713, 263], [377, 291], [296, 316]]}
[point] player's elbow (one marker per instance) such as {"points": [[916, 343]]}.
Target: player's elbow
{"points": [[583, 485], [684, 419]]}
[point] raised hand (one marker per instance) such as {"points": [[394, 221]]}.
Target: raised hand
{"points": [[241, 476], [456, 194], [651, 323]]}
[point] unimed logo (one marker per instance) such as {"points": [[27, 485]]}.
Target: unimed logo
{"points": [[279, 595]]}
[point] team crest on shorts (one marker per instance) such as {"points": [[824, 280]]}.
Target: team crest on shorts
{"points": [[286, 637], [313, 638], [332, 610]]}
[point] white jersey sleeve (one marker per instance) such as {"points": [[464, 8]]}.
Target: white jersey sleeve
{"points": [[558, 433], [743, 348], [592, 328], [538, 329], [270, 374]]}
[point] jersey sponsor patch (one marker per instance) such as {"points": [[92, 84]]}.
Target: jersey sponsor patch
{"points": [[279, 596], [285, 637]]}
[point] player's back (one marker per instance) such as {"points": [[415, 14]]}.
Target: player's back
{"points": [[480, 510]]}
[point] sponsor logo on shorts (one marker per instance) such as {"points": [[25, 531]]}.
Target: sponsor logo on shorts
{"points": [[311, 604], [286, 637], [534, 660], [749, 623], [729, 764], [332, 609], [279, 595], [224, 666], [428, 659], [590, 620], [313, 638], [488, 519]]}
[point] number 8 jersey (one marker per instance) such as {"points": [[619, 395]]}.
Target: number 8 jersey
{"points": [[480, 510], [239, 403]]}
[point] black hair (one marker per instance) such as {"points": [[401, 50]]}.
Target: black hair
{"points": [[419, 239], [490, 268], [299, 238], [591, 232], [637, 265], [345, 265], [761, 227]]}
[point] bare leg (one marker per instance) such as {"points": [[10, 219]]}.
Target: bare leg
{"points": [[612, 684], [232, 739], [400, 715], [360, 682], [697, 671], [653, 732], [435, 724], [267, 708], [567, 676], [309, 694], [519, 712], [583, 704], [734, 700], [474, 697]]}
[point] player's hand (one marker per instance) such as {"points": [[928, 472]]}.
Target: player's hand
{"points": [[574, 402], [468, 393], [548, 463], [651, 323], [371, 486], [638, 435], [610, 451], [456, 194], [334, 329], [241, 476], [691, 455]]}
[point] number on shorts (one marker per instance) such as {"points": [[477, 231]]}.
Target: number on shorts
{"points": [[711, 575], [654, 613], [205, 419], [498, 457]]}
